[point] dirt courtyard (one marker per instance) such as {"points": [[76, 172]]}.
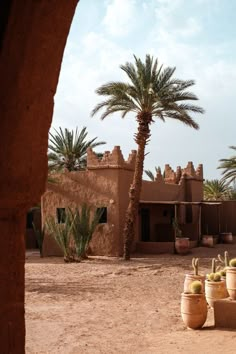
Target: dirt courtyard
{"points": [[105, 305]]}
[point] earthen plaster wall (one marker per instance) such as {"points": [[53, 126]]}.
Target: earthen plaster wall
{"points": [[97, 189]]}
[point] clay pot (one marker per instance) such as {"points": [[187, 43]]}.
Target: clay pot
{"points": [[182, 245], [193, 310], [231, 282], [226, 237], [189, 278], [207, 241], [215, 239], [215, 290]]}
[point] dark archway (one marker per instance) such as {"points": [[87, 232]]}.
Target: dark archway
{"points": [[32, 41]]}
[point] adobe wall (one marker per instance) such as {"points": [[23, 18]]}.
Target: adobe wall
{"points": [[104, 184], [181, 185], [74, 189]]}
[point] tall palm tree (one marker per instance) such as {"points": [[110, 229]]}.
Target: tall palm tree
{"points": [[68, 149], [229, 167], [151, 92], [217, 190]]}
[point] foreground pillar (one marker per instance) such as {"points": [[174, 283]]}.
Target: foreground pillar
{"points": [[12, 261], [33, 35]]}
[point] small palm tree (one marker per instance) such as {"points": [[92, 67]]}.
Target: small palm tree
{"points": [[151, 92], [229, 167], [68, 149], [62, 235], [217, 190], [84, 223]]}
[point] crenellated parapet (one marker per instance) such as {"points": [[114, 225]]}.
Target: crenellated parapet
{"points": [[177, 177], [170, 175], [113, 159], [193, 173]]}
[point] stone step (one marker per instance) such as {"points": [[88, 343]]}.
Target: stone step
{"points": [[225, 313]]}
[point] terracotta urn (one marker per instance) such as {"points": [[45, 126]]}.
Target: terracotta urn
{"points": [[215, 290], [226, 237], [231, 282], [207, 241], [182, 245], [189, 278], [193, 310]]}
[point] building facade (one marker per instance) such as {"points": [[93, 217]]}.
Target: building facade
{"points": [[105, 184]]}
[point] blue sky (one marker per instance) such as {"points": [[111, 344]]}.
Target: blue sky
{"points": [[198, 37]]}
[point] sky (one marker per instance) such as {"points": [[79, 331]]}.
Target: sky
{"points": [[198, 37]]}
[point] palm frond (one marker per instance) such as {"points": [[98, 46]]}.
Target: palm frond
{"points": [[67, 148]]}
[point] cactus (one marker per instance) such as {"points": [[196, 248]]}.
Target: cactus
{"points": [[195, 287], [232, 263], [224, 261], [222, 273], [210, 276], [213, 265], [217, 277], [195, 262], [214, 276]]}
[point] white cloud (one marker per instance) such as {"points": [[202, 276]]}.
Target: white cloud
{"points": [[119, 19], [167, 33]]}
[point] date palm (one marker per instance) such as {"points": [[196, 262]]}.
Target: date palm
{"points": [[151, 92], [217, 190], [68, 149], [150, 174], [229, 167]]}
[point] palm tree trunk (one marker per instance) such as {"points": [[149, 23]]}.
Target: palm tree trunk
{"points": [[12, 272], [141, 138]]}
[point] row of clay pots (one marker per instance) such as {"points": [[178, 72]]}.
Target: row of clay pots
{"points": [[210, 240], [194, 306]]}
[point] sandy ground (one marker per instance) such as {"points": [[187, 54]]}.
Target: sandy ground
{"points": [[106, 305]]}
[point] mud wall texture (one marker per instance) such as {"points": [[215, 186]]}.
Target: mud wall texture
{"points": [[33, 38], [100, 188]]}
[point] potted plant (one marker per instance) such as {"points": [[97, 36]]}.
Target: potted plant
{"points": [[194, 306], [226, 237], [207, 240], [182, 243], [231, 279], [189, 278], [215, 287]]}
